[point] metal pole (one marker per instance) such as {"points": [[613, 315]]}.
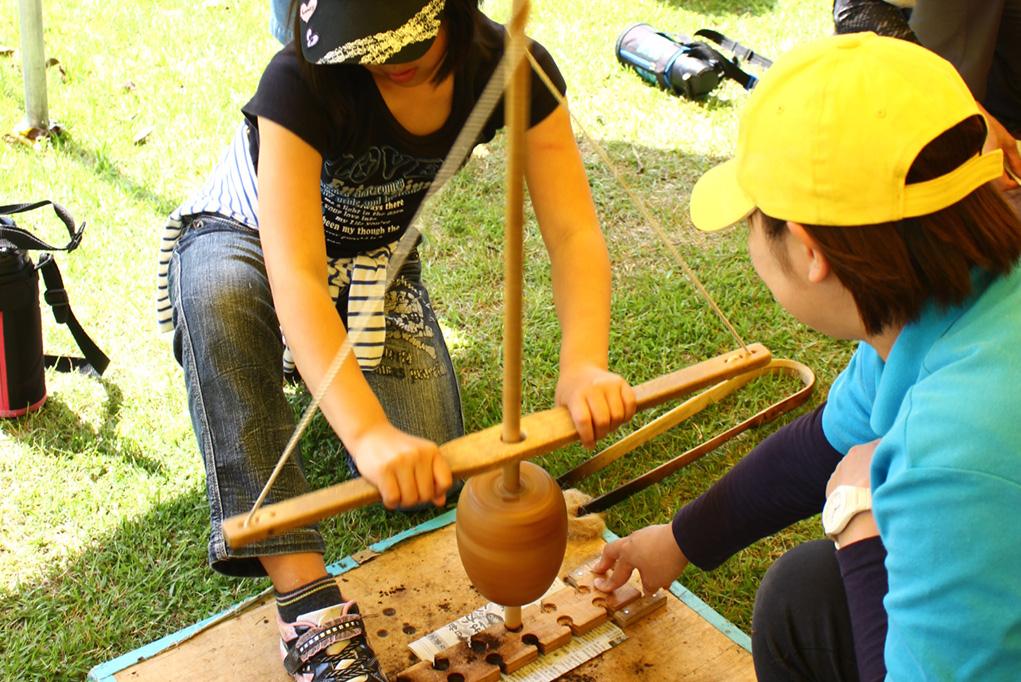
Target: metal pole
{"points": [[33, 61]]}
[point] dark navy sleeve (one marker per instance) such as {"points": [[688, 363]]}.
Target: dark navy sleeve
{"points": [[864, 571], [542, 102], [285, 97], [781, 481]]}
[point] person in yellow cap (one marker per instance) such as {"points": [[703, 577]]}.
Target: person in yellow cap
{"points": [[873, 217]]}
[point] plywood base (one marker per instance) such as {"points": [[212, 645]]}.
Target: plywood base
{"points": [[420, 586]]}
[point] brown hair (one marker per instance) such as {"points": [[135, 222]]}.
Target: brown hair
{"points": [[893, 269]]}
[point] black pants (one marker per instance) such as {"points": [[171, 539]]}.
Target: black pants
{"points": [[801, 627]]}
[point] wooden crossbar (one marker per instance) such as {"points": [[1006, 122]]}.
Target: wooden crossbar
{"points": [[483, 450]]}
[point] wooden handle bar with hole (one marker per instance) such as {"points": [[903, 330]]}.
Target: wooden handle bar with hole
{"points": [[689, 407], [483, 450], [718, 392]]}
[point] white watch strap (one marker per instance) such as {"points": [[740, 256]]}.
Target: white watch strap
{"points": [[842, 505]]}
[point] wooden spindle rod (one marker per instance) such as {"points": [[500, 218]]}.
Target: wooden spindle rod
{"points": [[516, 115]]}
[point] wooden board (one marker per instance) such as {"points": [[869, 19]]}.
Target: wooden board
{"points": [[419, 586]]}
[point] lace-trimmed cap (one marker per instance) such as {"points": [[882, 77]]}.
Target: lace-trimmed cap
{"points": [[367, 31]]}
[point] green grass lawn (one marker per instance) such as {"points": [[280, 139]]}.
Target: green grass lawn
{"points": [[103, 517]]}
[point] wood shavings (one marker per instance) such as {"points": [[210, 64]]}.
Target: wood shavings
{"points": [[582, 527]]}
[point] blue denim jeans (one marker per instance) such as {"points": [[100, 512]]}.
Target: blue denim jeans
{"points": [[227, 339], [279, 22]]}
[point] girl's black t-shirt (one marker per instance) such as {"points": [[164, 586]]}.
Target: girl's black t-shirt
{"points": [[372, 182]]}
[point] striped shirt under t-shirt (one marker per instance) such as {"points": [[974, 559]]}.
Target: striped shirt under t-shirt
{"points": [[231, 192]]}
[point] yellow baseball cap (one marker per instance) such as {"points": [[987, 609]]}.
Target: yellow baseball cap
{"points": [[830, 132]]}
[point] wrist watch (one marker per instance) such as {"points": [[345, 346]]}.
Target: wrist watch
{"points": [[843, 504]]}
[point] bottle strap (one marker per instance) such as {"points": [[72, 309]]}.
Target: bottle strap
{"points": [[731, 68], [739, 50], [95, 361], [23, 239]]}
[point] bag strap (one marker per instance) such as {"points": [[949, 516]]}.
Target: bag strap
{"points": [[95, 361], [730, 67], [23, 239], [722, 64], [739, 50]]}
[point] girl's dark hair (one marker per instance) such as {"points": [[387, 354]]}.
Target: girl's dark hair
{"points": [[893, 269], [336, 84]]}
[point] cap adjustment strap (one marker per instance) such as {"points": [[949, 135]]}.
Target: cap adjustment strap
{"points": [[922, 198]]}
